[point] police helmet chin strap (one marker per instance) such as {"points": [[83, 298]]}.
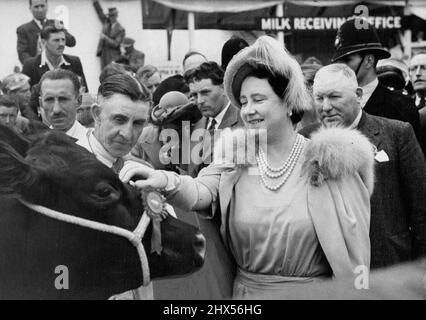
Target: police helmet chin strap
{"points": [[359, 65]]}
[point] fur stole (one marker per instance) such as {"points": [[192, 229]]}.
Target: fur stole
{"points": [[331, 154]]}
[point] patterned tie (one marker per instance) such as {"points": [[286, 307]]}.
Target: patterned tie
{"points": [[118, 165], [212, 127]]}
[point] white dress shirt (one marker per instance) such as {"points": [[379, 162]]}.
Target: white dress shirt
{"points": [[45, 61], [418, 100], [219, 117], [77, 131], [92, 144], [39, 24]]}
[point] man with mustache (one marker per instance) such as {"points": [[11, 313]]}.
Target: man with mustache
{"points": [[418, 79], [28, 34], [52, 57], [59, 99]]}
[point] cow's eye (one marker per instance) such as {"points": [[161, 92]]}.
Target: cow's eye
{"points": [[104, 191]]}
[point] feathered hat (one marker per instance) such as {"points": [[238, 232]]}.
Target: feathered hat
{"points": [[267, 53]]}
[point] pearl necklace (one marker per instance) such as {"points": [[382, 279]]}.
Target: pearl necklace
{"points": [[285, 170], [272, 172]]}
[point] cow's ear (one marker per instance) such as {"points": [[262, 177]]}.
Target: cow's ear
{"points": [[14, 139], [15, 173]]}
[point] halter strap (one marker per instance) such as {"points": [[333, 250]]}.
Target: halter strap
{"points": [[134, 237]]}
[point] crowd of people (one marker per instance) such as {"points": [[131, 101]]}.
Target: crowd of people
{"points": [[338, 182]]}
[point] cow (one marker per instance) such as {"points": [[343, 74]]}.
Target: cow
{"points": [[45, 258]]}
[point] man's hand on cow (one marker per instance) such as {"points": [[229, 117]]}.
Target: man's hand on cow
{"points": [[146, 176]]}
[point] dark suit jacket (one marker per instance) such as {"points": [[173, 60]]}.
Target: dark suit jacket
{"points": [[231, 119], [109, 48], [28, 35], [421, 136], [33, 69], [136, 59], [398, 203], [391, 105]]}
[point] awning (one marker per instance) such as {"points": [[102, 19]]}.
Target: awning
{"points": [[210, 6], [419, 12]]}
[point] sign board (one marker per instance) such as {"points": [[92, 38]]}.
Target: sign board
{"points": [[169, 68], [323, 23]]}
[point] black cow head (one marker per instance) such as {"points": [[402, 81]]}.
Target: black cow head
{"points": [[51, 170]]}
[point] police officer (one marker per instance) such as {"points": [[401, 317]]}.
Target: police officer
{"points": [[358, 46]]}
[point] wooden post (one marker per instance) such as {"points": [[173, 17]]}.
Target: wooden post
{"points": [[279, 12], [191, 30]]}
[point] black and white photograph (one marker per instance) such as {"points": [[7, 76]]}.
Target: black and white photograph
{"points": [[213, 156]]}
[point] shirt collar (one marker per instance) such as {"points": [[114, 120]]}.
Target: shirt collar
{"points": [[368, 90], [99, 151], [38, 23], [77, 130], [219, 117], [418, 99], [45, 61]]}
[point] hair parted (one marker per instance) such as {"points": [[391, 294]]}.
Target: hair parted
{"points": [[61, 74], [48, 30], [207, 70], [31, 2], [268, 55], [124, 84]]}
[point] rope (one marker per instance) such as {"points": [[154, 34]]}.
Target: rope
{"points": [[134, 237]]}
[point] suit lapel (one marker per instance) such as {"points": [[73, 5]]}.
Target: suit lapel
{"points": [[35, 26], [41, 69], [370, 129], [230, 118]]}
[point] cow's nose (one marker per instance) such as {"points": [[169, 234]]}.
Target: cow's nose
{"points": [[200, 245]]}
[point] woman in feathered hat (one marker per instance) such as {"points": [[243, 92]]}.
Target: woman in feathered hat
{"points": [[299, 211]]}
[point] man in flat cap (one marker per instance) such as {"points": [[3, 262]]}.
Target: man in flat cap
{"points": [[136, 58], [111, 37], [17, 86]]}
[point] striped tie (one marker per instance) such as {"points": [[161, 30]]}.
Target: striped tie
{"points": [[118, 165]]}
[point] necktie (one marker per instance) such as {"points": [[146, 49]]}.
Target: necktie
{"points": [[209, 142], [212, 127], [118, 165]]}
